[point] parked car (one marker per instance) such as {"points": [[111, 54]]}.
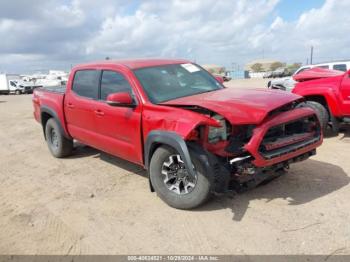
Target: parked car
{"points": [[267, 74], [288, 83], [194, 136], [279, 72], [328, 93]]}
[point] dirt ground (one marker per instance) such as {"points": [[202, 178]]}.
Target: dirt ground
{"points": [[93, 203]]}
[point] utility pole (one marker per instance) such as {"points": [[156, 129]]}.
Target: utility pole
{"points": [[311, 54]]}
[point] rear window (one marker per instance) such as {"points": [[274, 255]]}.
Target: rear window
{"points": [[340, 67], [85, 83]]}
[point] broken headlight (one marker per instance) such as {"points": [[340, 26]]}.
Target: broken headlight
{"points": [[217, 134]]}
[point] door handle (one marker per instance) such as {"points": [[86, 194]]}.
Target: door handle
{"points": [[99, 112], [70, 105]]}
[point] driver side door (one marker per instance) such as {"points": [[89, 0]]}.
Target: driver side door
{"points": [[118, 128]]}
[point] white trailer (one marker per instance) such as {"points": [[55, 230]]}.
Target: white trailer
{"points": [[6, 83], [12, 83]]}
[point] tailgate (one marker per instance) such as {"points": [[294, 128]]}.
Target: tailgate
{"points": [[49, 98]]}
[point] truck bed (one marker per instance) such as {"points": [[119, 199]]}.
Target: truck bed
{"points": [[54, 89], [47, 99]]}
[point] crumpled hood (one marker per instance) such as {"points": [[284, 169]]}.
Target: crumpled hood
{"points": [[239, 106]]}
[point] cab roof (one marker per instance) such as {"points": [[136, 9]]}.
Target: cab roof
{"points": [[137, 63]]}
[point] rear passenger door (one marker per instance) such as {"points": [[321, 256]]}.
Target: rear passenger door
{"points": [[119, 128], [80, 105]]}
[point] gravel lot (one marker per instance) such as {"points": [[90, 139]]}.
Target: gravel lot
{"points": [[93, 203]]}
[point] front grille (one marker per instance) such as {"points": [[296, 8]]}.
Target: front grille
{"points": [[289, 137]]}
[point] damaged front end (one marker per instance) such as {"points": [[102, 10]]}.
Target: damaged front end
{"points": [[243, 156]]}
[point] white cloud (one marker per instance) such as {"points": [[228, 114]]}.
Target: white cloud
{"points": [[209, 31], [66, 15]]}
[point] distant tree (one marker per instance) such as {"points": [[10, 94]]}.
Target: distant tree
{"points": [[257, 67], [293, 67], [276, 65], [107, 58]]}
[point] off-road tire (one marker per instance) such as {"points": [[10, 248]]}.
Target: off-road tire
{"points": [[321, 112], [198, 196], [59, 146]]}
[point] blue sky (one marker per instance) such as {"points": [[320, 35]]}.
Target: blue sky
{"points": [[290, 10], [55, 34]]}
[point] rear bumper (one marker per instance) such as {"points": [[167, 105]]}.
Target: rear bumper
{"points": [[285, 153]]}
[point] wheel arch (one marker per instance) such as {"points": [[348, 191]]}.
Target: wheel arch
{"points": [[317, 98], [45, 114], [218, 175], [157, 138]]}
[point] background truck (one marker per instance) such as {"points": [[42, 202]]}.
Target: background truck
{"points": [[12, 83], [328, 93], [194, 136]]}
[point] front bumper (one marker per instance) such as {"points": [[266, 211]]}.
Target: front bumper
{"points": [[284, 153]]}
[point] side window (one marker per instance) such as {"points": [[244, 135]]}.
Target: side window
{"points": [[340, 67], [85, 83], [113, 82], [323, 66]]}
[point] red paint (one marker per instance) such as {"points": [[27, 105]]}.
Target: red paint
{"points": [[332, 85], [239, 106], [120, 98], [122, 131], [260, 131], [316, 73]]}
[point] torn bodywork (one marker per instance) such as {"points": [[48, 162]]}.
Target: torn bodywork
{"points": [[248, 154]]}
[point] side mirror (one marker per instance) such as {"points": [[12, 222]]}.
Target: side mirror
{"points": [[122, 99], [220, 79]]}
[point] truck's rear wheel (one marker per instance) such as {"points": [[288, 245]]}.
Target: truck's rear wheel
{"points": [[172, 182], [58, 144]]}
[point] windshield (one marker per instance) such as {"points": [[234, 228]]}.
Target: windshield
{"points": [[163, 83]]}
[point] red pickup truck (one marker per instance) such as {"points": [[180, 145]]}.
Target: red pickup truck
{"points": [[194, 136], [328, 93]]}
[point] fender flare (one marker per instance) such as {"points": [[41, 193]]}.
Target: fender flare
{"points": [[169, 138], [50, 111], [329, 96], [217, 173]]}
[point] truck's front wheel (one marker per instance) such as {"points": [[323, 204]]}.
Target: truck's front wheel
{"points": [[321, 113], [173, 184], [59, 145]]}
